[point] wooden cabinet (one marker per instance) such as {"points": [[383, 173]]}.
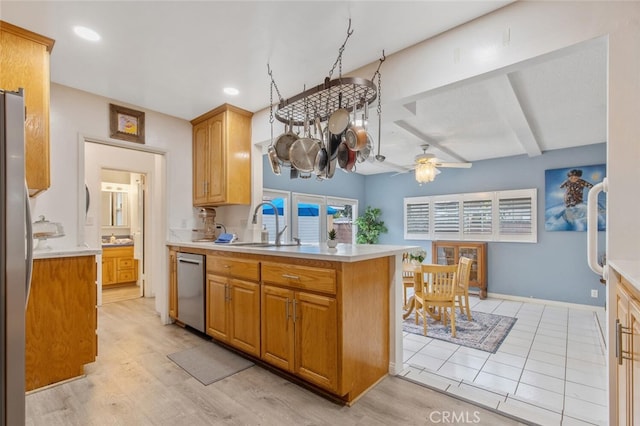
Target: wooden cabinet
{"points": [[627, 353], [299, 328], [24, 63], [324, 322], [233, 302], [118, 266], [61, 320], [173, 284], [222, 157], [448, 253]]}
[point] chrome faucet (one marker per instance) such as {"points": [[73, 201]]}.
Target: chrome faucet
{"points": [[275, 212]]}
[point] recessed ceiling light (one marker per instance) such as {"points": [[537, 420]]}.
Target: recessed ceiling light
{"points": [[231, 91], [86, 33]]}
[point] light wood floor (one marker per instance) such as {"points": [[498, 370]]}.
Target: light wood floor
{"points": [[120, 293], [134, 383]]}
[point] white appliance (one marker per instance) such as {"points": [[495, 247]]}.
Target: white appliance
{"points": [[16, 260], [592, 229]]}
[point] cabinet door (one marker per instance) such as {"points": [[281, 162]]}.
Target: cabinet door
{"points": [[109, 275], [277, 327], [200, 136], [245, 316], [217, 307], [622, 306], [316, 325], [634, 364], [24, 63], [173, 285], [216, 175]]}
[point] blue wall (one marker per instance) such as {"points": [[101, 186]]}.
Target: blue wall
{"points": [[553, 269]]}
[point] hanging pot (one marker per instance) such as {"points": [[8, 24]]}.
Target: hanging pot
{"points": [[322, 157], [284, 142], [303, 154], [339, 119], [346, 157]]}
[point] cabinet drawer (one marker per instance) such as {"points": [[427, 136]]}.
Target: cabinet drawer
{"points": [[125, 263], [238, 268], [304, 277], [126, 276]]}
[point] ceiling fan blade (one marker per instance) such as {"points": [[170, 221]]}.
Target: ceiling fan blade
{"points": [[454, 165]]}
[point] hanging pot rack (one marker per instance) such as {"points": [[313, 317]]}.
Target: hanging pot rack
{"points": [[326, 98]]}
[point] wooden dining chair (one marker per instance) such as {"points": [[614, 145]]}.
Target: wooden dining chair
{"points": [[407, 278], [437, 294], [462, 285]]}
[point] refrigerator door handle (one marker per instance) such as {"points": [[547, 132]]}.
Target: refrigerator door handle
{"points": [[29, 245], [592, 228]]}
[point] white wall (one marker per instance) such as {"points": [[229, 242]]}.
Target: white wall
{"points": [[75, 114]]}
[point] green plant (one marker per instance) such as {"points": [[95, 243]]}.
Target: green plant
{"points": [[332, 234], [369, 226]]}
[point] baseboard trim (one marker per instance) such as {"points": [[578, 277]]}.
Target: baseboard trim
{"points": [[545, 302]]}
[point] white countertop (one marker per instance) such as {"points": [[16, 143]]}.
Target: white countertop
{"points": [[342, 253], [65, 252], [630, 269]]}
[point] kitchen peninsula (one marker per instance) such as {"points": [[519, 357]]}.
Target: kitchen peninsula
{"points": [[314, 313]]}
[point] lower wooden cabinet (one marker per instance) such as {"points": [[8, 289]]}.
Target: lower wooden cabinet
{"points": [[118, 266], [300, 334], [628, 354], [61, 320], [173, 284], [233, 304]]}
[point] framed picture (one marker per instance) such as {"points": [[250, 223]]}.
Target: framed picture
{"points": [[126, 123], [565, 197]]}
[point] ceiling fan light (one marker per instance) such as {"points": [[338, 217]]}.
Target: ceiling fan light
{"points": [[425, 172]]}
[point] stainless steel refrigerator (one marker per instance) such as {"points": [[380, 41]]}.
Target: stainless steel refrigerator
{"points": [[16, 258]]}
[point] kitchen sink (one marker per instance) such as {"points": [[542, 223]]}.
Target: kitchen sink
{"points": [[259, 244]]}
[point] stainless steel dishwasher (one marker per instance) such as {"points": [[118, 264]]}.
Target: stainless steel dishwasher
{"points": [[191, 290]]}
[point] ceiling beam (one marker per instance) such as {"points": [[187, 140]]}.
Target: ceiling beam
{"points": [[432, 142], [507, 104]]}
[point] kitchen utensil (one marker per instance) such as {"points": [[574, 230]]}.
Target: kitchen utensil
{"points": [[284, 142], [339, 119], [355, 136], [322, 157], [273, 159], [346, 157]]}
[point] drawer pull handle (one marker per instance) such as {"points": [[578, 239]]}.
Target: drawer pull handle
{"points": [[294, 310], [293, 277], [287, 309], [621, 353]]}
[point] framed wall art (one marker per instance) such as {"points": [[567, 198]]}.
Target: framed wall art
{"points": [[126, 123], [565, 196]]}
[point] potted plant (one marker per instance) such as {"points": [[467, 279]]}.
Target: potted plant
{"points": [[332, 242], [417, 256], [369, 226]]}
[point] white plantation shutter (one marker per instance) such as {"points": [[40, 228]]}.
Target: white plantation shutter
{"points": [[508, 216], [446, 218], [416, 219], [477, 218], [517, 215]]}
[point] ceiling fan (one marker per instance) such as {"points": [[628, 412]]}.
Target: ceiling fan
{"points": [[426, 164]]}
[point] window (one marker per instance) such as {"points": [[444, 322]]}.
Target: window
{"points": [[309, 217], [483, 216]]}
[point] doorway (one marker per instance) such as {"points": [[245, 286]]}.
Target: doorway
{"points": [[149, 163], [122, 234]]}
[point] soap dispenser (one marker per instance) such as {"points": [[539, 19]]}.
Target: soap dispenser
{"points": [[264, 236], [112, 240]]}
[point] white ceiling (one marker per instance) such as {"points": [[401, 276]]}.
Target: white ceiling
{"points": [[175, 57]]}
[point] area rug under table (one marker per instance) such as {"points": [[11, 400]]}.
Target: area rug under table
{"points": [[209, 363], [485, 332]]}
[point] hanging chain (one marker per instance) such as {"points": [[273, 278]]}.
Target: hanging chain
{"points": [[271, 109], [340, 51], [273, 83]]}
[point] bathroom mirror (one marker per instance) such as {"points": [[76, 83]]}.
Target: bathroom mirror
{"points": [[115, 208]]}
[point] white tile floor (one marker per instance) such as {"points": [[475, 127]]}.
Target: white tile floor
{"points": [[550, 369]]}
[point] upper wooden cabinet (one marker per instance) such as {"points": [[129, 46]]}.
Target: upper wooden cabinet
{"points": [[24, 63], [222, 157]]}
